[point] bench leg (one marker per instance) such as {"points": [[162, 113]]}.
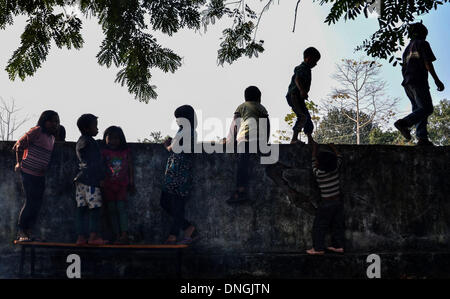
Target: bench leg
{"points": [[22, 260], [32, 253], [179, 263]]}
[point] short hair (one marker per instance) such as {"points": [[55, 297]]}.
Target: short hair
{"points": [[252, 94], [417, 31], [186, 111], [84, 121], [327, 161], [61, 136], [116, 130], [311, 52], [46, 116]]}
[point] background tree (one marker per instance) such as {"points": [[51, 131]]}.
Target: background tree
{"points": [[131, 48], [155, 137], [378, 136], [10, 121], [362, 91], [337, 127], [439, 124], [394, 16]]}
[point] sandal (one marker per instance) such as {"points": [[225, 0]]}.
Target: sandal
{"points": [[81, 241], [170, 242], [189, 240], [98, 241], [312, 251], [335, 250], [24, 237]]}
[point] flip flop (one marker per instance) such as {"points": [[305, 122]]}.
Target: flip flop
{"points": [[312, 251], [334, 250]]}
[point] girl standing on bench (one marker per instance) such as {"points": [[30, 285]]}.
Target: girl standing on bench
{"points": [[37, 147], [178, 176], [119, 179]]}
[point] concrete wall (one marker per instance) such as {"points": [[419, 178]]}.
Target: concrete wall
{"points": [[396, 199]]}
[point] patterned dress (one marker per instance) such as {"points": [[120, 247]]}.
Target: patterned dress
{"points": [[178, 175]]}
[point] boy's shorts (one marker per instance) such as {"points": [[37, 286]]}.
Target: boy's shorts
{"points": [[88, 196]]}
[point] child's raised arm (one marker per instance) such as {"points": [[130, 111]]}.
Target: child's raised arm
{"points": [[331, 145]]}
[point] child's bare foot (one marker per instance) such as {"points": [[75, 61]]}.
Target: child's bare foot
{"points": [[337, 250], [81, 240], [312, 251], [122, 239], [171, 240], [188, 231], [94, 239]]}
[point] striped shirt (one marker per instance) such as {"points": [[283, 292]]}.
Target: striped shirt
{"points": [[328, 181], [37, 149]]}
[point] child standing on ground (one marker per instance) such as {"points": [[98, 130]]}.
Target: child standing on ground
{"points": [[88, 181], [417, 62], [330, 213], [298, 93], [119, 178], [37, 147], [178, 177]]}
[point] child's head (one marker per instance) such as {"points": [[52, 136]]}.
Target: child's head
{"points": [[49, 122], [417, 31], [252, 94], [87, 124], [327, 161], [311, 56], [114, 138], [187, 112]]}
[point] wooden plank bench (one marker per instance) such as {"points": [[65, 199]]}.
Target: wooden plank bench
{"points": [[156, 247]]}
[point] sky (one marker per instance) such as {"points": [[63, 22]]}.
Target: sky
{"points": [[71, 82]]}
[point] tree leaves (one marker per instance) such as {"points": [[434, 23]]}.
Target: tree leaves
{"points": [[129, 46], [394, 18], [238, 42]]}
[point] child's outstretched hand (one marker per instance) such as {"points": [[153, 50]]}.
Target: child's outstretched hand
{"points": [[168, 142], [440, 86]]}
